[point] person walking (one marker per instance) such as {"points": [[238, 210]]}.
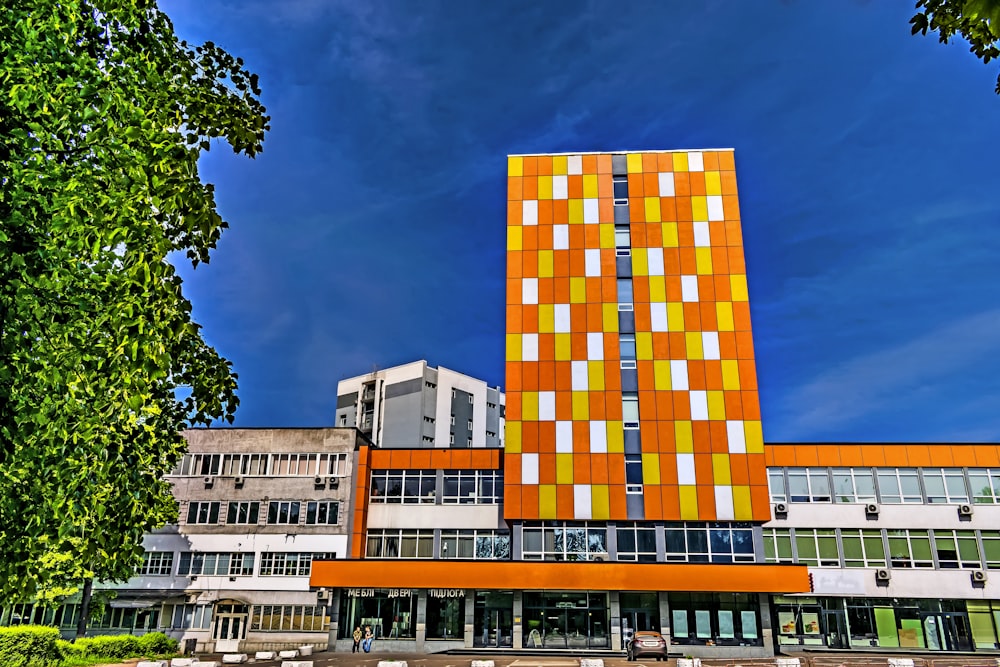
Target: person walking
{"points": [[357, 640], [367, 643]]}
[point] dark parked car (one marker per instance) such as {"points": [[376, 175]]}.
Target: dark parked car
{"points": [[647, 643]]}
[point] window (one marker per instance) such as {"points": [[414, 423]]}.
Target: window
{"points": [[626, 343], [243, 512], [283, 512], [194, 563], [157, 564], [289, 618], [187, 616], [564, 541], [957, 548], [200, 464], [633, 473], [809, 485], [261, 465], [622, 237], [778, 545], [624, 291], [475, 544], [203, 512], [484, 487], [899, 485], [430, 385], [620, 185], [323, 512], [945, 485], [280, 564], [709, 543], [470, 424], [404, 486], [391, 543], [636, 543], [909, 548], [428, 420], [776, 484], [817, 547], [853, 485], [248, 465], [470, 399], [630, 409], [985, 484], [991, 548], [453, 420], [863, 548], [343, 420]]}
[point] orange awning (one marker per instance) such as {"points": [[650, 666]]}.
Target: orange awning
{"points": [[548, 575]]}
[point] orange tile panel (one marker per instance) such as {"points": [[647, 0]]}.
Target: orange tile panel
{"points": [[544, 165], [741, 315], [711, 160], [828, 455], [668, 469], [719, 438], [546, 468], [727, 345], [595, 316], [511, 472], [513, 318], [728, 179], [420, 459], [544, 214], [684, 212], [590, 164], [964, 455], [529, 436], [592, 237], [895, 455], [642, 319], [806, 456], [723, 288], [757, 469], [514, 216], [546, 290], [619, 510], [706, 292], [678, 345], [720, 257], [697, 180], [689, 264], [987, 455], [744, 345], [717, 237], [668, 209], [560, 211], [635, 186], [748, 373], [696, 375], [737, 264], [739, 470], [598, 468], [664, 407], [547, 437], [670, 503], [581, 469], [581, 436], [654, 235], [665, 162], [918, 455], [514, 291], [529, 165], [604, 164], [529, 188], [734, 404], [671, 262], [513, 411], [682, 184], [779, 455], [692, 317], [564, 501], [529, 376], [545, 237], [734, 238], [613, 405], [597, 411], [514, 188], [760, 499], [702, 437], [529, 502], [706, 503], [616, 470], [652, 502], [682, 405], [546, 351], [511, 500], [685, 234], [649, 162], [731, 207], [577, 234], [606, 209], [574, 186]]}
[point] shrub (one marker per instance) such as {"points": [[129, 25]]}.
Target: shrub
{"points": [[157, 643], [29, 646], [110, 646], [69, 649]]}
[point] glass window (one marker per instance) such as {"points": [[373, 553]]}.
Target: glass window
{"points": [[283, 512], [809, 485], [636, 543], [243, 512], [403, 486], [853, 485], [392, 543], [776, 484], [899, 485], [630, 406], [777, 545], [203, 513], [323, 512], [627, 345], [945, 485], [985, 485], [625, 290], [622, 237]]}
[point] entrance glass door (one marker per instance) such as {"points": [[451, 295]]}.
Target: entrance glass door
{"points": [[835, 624], [494, 619], [230, 622], [946, 631], [566, 620]]}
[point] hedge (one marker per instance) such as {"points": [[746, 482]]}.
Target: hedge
{"points": [[29, 646]]}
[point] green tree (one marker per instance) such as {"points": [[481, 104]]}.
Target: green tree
{"points": [[103, 115], [978, 21]]}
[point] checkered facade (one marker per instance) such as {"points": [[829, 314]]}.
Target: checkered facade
{"points": [[698, 428]]}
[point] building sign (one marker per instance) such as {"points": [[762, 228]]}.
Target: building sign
{"points": [[446, 592], [375, 592]]}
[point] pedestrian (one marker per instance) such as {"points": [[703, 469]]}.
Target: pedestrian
{"points": [[367, 643], [357, 640]]}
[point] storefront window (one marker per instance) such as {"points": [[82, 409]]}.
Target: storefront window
{"points": [[493, 619], [721, 619], [566, 620], [390, 612], [445, 614]]}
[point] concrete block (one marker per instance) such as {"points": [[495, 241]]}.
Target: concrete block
{"points": [[265, 655], [483, 663], [900, 662], [233, 659], [152, 663], [391, 663], [591, 662], [297, 663], [184, 662], [787, 662], [206, 663], [305, 650], [289, 654]]}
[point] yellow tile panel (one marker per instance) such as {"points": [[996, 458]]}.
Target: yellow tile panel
{"points": [[683, 437], [661, 375], [689, 494], [564, 468], [724, 316], [575, 211], [634, 161], [514, 347], [590, 186], [703, 257], [651, 468], [738, 285], [692, 340], [515, 166], [610, 313], [643, 345], [564, 347], [669, 232], [545, 263], [716, 405], [755, 437], [675, 316], [559, 167], [720, 469], [546, 501], [514, 238], [680, 161], [730, 374], [713, 183], [544, 187], [600, 502], [529, 406], [581, 406], [595, 375], [616, 437], [699, 209], [652, 205], [639, 265], [512, 437], [742, 504]]}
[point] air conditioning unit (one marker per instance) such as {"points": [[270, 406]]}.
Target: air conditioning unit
{"points": [[978, 576], [322, 594], [334, 482], [871, 509], [965, 509], [883, 575], [209, 481], [780, 509], [320, 481], [599, 557], [239, 482]]}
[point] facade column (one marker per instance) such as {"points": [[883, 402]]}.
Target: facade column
{"points": [[331, 637], [470, 617], [421, 631], [615, 620], [664, 616], [517, 639], [766, 632]]}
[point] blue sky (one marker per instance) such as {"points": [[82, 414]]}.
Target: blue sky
{"points": [[370, 232]]}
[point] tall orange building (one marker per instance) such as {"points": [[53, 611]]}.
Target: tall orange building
{"points": [[631, 387]]}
